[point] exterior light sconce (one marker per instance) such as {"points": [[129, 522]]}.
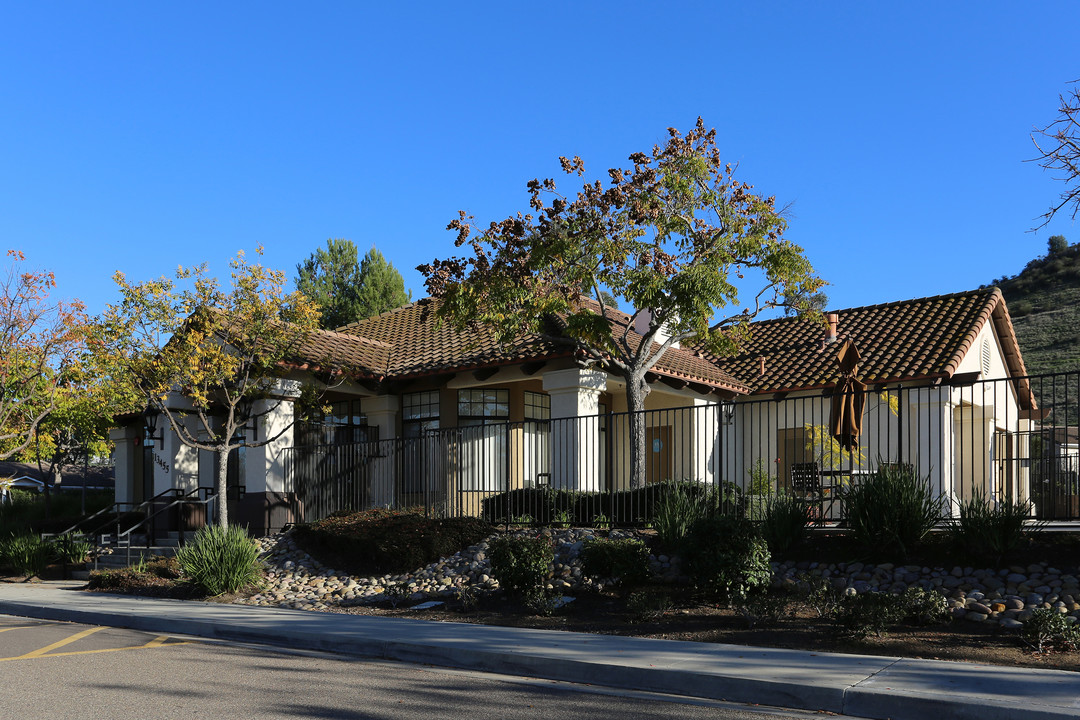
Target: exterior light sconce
{"points": [[150, 420]]}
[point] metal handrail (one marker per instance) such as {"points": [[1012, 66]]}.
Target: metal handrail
{"points": [[114, 508], [188, 498]]}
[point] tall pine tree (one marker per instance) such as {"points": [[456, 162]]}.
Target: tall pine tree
{"points": [[347, 290]]}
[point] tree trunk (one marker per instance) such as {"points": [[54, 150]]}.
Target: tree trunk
{"points": [[222, 487], [636, 391]]}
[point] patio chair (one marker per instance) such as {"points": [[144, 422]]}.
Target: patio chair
{"points": [[806, 482]]}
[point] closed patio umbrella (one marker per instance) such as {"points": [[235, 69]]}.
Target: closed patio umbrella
{"points": [[848, 399]]}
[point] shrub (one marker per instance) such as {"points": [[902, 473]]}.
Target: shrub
{"points": [[381, 541], [1048, 628], [25, 554], [822, 595], [648, 604], [924, 607], [892, 510], [627, 560], [726, 557], [675, 514], [783, 522], [220, 561], [71, 550], [763, 607], [543, 601], [872, 612], [25, 513], [521, 564], [542, 505], [989, 532]]}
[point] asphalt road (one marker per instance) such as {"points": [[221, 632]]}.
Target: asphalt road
{"points": [[64, 670]]}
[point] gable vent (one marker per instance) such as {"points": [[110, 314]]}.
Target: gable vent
{"points": [[986, 356]]}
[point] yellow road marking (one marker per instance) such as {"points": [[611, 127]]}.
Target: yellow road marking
{"points": [[19, 627], [60, 643], [157, 642]]}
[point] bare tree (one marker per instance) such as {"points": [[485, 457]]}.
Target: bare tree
{"points": [[1059, 151]]}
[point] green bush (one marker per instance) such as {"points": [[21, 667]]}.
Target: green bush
{"points": [[542, 601], [989, 533], [71, 550], [765, 607], [624, 508], [542, 505], [626, 560], [676, 513], [871, 612], [220, 561], [726, 557], [521, 564], [381, 541], [892, 510], [649, 604], [924, 607], [26, 511], [783, 522], [1048, 628], [822, 595], [25, 554]]}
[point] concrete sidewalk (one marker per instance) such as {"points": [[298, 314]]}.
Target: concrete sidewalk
{"points": [[858, 685]]}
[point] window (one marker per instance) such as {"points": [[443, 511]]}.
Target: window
{"points": [[419, 412], [537, 439], [482, 416], [483, 406], [421, 467], [344, 424], [537, 406]]}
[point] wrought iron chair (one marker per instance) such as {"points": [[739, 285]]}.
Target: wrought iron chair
{"points": [[805, 482]]}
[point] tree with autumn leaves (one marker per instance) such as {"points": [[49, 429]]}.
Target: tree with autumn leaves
{"points": [[675, 236], [43, 344], [211, 359]]}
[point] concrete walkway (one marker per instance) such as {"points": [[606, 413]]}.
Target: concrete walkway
{"points": [[859, 685]]}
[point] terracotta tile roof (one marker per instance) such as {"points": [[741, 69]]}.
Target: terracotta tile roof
{"points": [[422, 346], [905, 340], [681, 363], [356, 355], [924, 338]]}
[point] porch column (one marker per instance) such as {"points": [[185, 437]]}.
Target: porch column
{"points": [[704, 461], [381, 412], [125, 454], [575, 428], [267, 502], [933, 451]]}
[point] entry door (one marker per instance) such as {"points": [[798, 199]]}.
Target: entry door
{"points": [[658, 454]]}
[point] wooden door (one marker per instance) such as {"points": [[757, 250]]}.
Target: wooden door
{"points": [[658, 454]]}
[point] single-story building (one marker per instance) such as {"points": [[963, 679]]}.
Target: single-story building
{"points": [[436, 416]]}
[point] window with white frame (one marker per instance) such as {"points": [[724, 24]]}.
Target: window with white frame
{"points": [[537, 439], [482, 415]]}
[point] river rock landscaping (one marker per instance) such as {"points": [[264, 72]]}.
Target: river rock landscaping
{"points": [[1004, 597]]}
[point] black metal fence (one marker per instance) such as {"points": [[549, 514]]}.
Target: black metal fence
{"points": [[1012, 440]]}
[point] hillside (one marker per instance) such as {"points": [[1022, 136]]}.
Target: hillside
{"points": [[1044, 301]]}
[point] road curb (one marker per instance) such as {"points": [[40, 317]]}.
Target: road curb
{"points": [[862, 686]]}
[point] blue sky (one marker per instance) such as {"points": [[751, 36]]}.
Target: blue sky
{"points": [[142, 136]]}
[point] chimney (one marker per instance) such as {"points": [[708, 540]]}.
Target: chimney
{"points": [[830, 332], [644, 320], [761, 366]]}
